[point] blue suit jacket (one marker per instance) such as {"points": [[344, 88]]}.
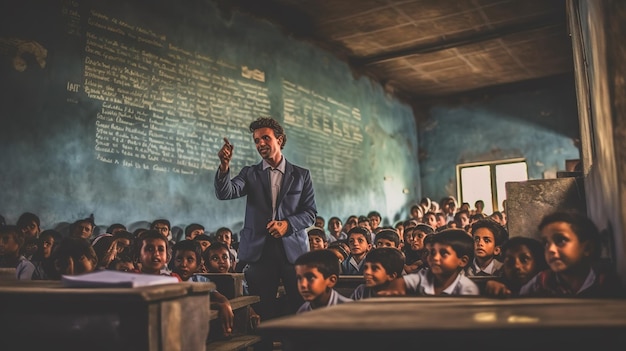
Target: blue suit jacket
{"points": [[295, 203]]}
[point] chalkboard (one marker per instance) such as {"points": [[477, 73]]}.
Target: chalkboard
{"points": [[119, 108]]}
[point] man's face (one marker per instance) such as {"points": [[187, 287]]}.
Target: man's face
{"points": [[267, 144]]}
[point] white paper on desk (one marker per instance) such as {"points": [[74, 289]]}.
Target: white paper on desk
{"points": [[111, 278]]}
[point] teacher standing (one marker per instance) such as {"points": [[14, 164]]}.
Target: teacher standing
{"points": [[280, 205]]}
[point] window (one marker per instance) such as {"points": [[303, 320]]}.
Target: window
{"points": [[486, 181]]}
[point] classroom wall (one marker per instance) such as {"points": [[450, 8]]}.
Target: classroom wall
{"points": [[598, 31], [538, 124], [119, 109]]}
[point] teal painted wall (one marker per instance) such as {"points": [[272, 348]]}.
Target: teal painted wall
{"points": [[52, 168], [539, 125]]}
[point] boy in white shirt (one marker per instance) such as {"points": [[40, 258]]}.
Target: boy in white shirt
{"points": [[452, 250], [316, 274]]}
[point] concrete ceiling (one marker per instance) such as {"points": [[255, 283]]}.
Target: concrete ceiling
{"points": [[427, 49]]}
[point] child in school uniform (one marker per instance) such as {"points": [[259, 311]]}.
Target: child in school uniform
{"points": [[217, 260], [452, 250], [382, 266], [523, 258], [123, 262], [73, 256], [11, 244], [317, 273], [192, 230], [572, 248], [387, 238], [187, 258], [29, 224], [204, 240], [225, 235], [414, 252], [153, 253], [341, 249], [49, 239], [335, 230], [488, 236], [360, 242], [317, 239]]}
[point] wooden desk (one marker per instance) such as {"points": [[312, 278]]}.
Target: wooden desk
{"points": [[228, 284], [7, 274], [455, 323], [40, 315], [347, 283]]}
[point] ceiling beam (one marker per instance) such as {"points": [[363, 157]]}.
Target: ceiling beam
{"points": [[538, 23]]}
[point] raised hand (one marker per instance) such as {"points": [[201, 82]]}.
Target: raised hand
{"points": [[225, 154]]}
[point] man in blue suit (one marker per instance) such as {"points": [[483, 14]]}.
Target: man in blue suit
{"points": [[280, 206]]}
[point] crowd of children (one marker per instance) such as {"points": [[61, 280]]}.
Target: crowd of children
{"points": [[438, 251]]}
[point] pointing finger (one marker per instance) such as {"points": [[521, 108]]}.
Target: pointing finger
{"points": [[227, 143]]}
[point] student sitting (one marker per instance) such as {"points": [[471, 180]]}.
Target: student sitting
{"points": [[123, 262], [335, 230], [217, 260], [153, 253], [73, 256], [29, 224], [414, 252], [11, 245], [387, 238], [317, 273], [204, 240], [452, 250], [523, 259], [340, 248], [382, 266], [49, 240], [360, 242], [187, 258], [488, 236], [193, 230], [572, 245], [317, 239], [225, 235]]}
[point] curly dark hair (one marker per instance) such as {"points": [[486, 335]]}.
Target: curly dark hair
{"points": [[500, 234], [267, 122]]}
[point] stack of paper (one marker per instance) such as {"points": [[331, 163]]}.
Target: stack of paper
{"points": [[110, 278]]}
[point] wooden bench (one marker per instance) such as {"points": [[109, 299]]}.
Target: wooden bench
{"points": [[228, 284], [7, 274], [243, 336], [347, 283]]}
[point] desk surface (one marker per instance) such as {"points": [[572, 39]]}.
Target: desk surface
{"points": [[375, 322], [28, 290]]}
